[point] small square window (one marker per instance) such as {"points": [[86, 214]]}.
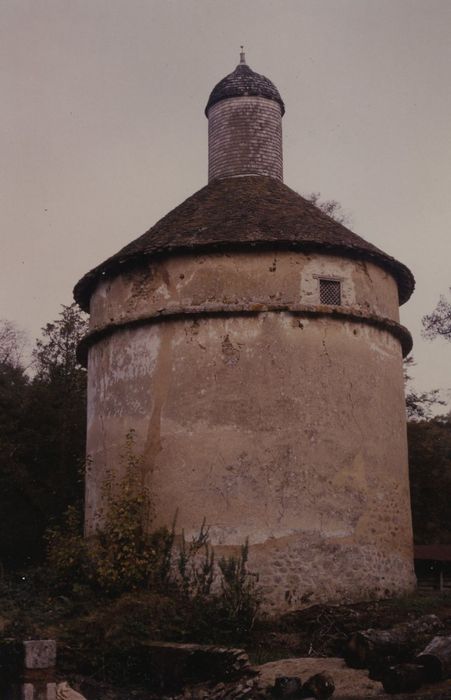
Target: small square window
{"points": [[330, 292]]}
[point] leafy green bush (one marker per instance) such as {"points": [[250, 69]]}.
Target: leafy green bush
{"points": [[211, 601], [122, 554], [66, 549], [195, 565], [240, 596]]}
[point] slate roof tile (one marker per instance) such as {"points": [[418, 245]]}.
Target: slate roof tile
{"points": [[244, 82], [244, 212]]}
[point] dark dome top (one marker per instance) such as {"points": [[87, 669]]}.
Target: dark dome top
{"points": [[243, 212], [241, 83]]}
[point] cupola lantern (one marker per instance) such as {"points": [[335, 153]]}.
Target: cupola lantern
{"points": [[244, 114]]}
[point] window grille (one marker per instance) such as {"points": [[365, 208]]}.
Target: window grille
{"points": [[330, 292]]}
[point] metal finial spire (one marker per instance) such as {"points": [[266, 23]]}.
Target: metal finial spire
{"points": [[242, 55]]}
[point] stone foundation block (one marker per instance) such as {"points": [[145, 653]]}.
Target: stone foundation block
{"points": [[40, 654], [27, 669]]}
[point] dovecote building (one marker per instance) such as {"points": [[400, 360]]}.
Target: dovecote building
{"points": [[254, 345]]}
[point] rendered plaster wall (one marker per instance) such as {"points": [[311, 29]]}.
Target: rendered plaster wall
{"points": [[286, 429], [282, 278], [245, 138], [292, 436]]}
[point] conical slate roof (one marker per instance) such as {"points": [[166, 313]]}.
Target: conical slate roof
{"points": [[243, 82], [243, 212]]}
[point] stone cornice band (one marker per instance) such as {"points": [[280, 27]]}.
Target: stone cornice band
{"points": [[353, 315]]}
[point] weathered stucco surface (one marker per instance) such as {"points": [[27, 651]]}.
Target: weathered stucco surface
{"points": [[285, 428], [252, 277]]}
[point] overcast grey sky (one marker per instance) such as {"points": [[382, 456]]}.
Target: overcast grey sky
{"points": [[103, 131]]}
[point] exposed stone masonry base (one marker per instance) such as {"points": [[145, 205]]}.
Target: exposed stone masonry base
{"points": [[245, 138], [305, 570]]}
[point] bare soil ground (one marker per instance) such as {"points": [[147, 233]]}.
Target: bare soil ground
{"points": [[324, 630], [350, 684], [298, 643]]}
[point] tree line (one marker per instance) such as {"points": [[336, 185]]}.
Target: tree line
{"points": [[42, 437], [430, 447], [42, 433]]}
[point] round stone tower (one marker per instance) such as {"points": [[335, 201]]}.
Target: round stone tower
{"points": [[254, 345]]}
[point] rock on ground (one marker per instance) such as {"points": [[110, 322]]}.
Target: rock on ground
{"points": [[349, 682]]}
